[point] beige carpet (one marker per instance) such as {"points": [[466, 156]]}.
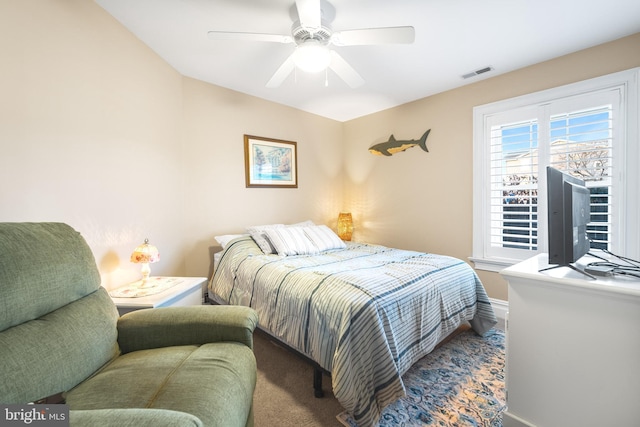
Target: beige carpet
{"points": [[284, 392]]}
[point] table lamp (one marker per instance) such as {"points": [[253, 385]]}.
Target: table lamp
{"points": [[145, 254], [345, 226]]}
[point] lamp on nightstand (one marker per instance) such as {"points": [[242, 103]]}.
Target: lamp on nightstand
{"points": [[145, 254], [345, 225]]}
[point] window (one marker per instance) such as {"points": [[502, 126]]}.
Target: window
{"points": [[588, 129]]}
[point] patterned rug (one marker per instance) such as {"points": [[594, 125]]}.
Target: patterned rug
{"points": [[459, 384]]}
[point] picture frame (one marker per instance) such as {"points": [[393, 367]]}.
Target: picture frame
{"points": [[270, 162]]}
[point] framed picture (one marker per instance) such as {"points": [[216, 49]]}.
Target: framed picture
{"points": [[270, 162]]}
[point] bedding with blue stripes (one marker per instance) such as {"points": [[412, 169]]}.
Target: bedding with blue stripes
{"points": [[365, 313]]}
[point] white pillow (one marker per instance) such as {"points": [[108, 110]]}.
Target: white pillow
{"points": [[307, 223], [258, 234], [324, 238], [224, 240], [290, 241]]}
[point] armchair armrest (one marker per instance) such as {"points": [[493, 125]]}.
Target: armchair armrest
{"points": [[170, 326]]}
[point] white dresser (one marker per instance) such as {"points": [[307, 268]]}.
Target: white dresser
{"points": [[573, 348]]}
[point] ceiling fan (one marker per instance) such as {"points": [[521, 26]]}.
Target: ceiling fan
{"points": [[312, 34]]}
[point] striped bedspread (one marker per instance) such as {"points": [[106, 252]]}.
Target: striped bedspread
{"points": [[365, 313]]}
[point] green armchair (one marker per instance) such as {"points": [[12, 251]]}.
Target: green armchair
{"points": [[60, 332]]}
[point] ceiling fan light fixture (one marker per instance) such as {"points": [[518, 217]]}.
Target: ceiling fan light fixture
{"points": [[313, 35], [312, 56]]}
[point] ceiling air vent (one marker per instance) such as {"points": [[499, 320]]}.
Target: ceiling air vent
{"points": [[477, 72]]}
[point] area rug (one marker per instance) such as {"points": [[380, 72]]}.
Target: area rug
{"points": [[459, 384]]}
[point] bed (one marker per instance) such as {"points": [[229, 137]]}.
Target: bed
{"points": [[365, 313]]}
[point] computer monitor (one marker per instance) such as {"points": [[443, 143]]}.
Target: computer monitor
{"points": [[568, 213]]}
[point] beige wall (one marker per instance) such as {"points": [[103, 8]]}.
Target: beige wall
{"points": [[90, 132], [423, 201], [215, 121], [97, 131]]}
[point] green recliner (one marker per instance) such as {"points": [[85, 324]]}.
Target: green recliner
{"points": [[60, 332]]}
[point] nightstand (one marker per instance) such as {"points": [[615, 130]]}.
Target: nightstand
{"points": [[188, 291]]}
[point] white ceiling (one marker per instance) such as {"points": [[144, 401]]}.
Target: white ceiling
{"points": [[453, 37]]}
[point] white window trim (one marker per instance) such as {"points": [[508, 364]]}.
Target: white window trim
{"points": [[628, 82]]}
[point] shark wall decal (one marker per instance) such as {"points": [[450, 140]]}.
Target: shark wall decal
{"points": [[393, 145]]}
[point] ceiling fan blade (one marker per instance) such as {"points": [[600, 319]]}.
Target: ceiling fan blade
{"points": [[368, 36], [345, 71], [282, 72], [225, 35], [309, 13]]}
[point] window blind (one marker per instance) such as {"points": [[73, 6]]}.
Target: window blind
{"points": [[514, 185], [581, 144], [574, 136], [587, 129]]}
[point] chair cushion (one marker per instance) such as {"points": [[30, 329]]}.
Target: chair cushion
{"points": [[132, 417], [54, 353], [43, 266], [214, 382]]}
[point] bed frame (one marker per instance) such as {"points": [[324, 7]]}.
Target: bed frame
{"points": [[318, 371]]}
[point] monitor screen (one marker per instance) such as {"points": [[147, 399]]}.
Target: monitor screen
{"points": [[568, 213]]}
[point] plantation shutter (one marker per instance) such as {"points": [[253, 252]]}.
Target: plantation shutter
{"points": [[574, 135], [514, 184], [513, 175], [581, 144]]}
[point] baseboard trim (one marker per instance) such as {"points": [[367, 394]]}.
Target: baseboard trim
{"points": [[510, 420], [501, 308]]}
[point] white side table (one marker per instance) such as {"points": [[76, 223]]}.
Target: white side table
{"points": [[188, 291]]}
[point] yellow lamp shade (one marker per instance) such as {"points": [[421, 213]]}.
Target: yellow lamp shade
{"points": [[345, 226]]}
